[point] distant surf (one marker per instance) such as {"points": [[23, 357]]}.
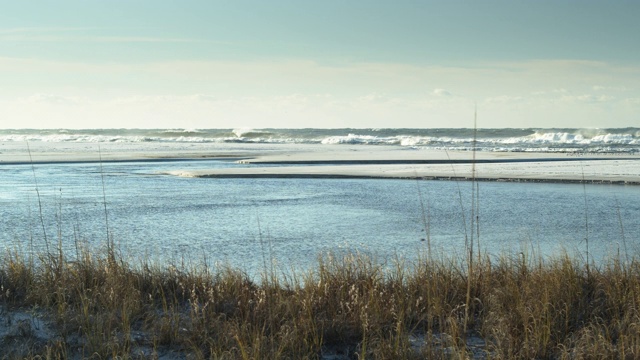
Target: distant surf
{"points": [[567, 140]]}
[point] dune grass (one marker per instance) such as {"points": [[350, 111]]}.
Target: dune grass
{"points": [[100, 306]]}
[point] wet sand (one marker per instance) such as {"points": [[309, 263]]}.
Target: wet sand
{"points": [[339, 161]]}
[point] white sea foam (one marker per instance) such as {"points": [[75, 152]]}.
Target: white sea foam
{"points": [[249, 132], [542, 140], [355, 139], [241, 131]]}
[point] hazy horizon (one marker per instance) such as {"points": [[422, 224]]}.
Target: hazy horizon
{"points": [[334, 64]]}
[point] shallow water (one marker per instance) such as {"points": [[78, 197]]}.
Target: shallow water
{"points": [[248, 223]]}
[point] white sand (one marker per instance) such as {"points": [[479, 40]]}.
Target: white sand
{"points": [[613, 171], [53, 152], [397, 162], [343, 161]]}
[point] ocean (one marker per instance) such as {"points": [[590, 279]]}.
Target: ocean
{"points": [[625, 140], [248, 223]]}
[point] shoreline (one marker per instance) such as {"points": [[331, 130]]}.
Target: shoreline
{"points": [[433, 178], [493, 167], [342, 161], [117, 160]]}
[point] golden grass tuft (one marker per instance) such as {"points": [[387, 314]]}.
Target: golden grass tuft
{"points": [[102, 307]]}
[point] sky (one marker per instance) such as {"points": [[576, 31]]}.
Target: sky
{"points": [[327, 64]]}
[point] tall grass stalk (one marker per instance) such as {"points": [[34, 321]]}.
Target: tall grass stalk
{"points": [[106, 211], [622, 236], [460, 201], [475, 195], [35, 181], [473, 223], [425, 212], [586, 217]]}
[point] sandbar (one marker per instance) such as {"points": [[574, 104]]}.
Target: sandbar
{"points": [[403, 163], [343, 161]]}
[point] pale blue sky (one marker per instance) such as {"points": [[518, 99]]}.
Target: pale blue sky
{"points": [[283, 63]]}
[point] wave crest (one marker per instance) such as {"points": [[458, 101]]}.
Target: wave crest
{"points": [[541, 140]]}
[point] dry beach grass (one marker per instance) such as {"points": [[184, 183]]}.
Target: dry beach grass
{"points": [[347, 307]]}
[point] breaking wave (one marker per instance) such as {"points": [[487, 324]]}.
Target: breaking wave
{"points": [[535, 140]]}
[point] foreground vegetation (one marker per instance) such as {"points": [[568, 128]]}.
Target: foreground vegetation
{"points": [[519, 307]]}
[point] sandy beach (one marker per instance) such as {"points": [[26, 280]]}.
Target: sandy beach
{"points": [[69, 152], [303, 161], [433, 164]]}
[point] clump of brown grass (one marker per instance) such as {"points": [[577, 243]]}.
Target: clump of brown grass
{"points": [[521, 308]]}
